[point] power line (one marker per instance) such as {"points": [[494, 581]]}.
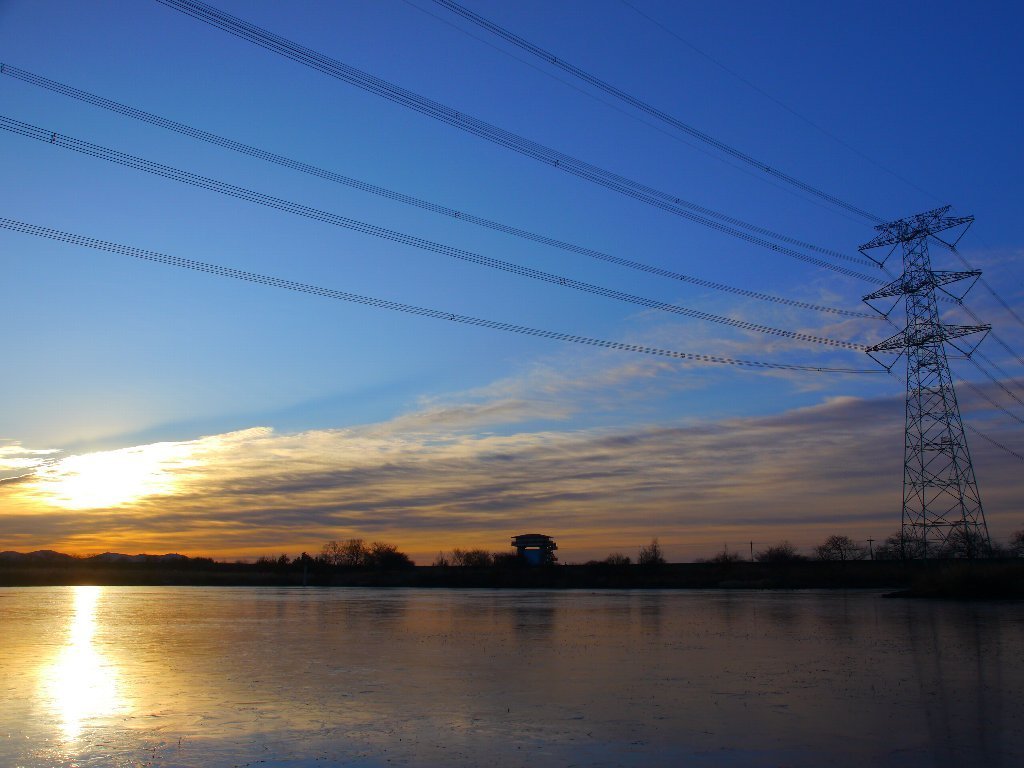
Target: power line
{"points": [[275, 282], [971, 427], [959, 301], [994, 380], [981, 393], [632, 115], [646, 108], [187, 130], [988, 287], [973, 315], [659, 199], [994, 442], [992, 364], [213, 185], [776, 101]]}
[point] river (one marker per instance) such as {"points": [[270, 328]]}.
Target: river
{"points": [[297, 678]]}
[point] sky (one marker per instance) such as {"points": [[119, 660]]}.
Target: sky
{"points": [[157, 409]]}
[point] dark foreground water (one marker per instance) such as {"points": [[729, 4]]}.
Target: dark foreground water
{"points": [[218, 677]]}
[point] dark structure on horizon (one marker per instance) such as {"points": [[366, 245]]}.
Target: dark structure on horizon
{"points": [[535, 548], [942, 512]]}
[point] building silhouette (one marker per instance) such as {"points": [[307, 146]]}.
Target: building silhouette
{"points": [[535, 548]]}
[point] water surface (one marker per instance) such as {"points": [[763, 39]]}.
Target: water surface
{"points": [[218, 677]]}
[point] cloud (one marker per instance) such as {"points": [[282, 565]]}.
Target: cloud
{"points": [[15, 459], [443, 476]]}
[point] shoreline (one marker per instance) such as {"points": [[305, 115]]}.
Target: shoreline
{"points": [[995, 579]]}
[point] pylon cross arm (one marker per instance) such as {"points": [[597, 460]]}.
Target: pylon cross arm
{"points": [[915, 227], [929, 334]]}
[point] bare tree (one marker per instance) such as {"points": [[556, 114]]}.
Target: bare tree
{"points": [[271, 561], [725, 557], [331, 553], [650, 554], [783, 552], [964, 542], [899, 547], [1017, 543], [840, 548], [352, 553], [442, 560], [472, 558]]}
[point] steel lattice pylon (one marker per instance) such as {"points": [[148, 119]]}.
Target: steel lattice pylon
{"points": [[942, 511]]}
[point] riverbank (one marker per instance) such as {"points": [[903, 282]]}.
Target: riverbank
{"points": [[953, 579]]}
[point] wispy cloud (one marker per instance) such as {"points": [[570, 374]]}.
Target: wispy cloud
{"points": [[15, 459], [428, 482]]}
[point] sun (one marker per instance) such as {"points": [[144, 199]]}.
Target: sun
{"points": [[112, 478]]}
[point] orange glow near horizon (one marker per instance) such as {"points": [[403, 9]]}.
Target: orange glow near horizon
{"points": [[254, 492]]}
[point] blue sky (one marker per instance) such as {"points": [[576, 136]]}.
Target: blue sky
{"points": [[105, 353]]}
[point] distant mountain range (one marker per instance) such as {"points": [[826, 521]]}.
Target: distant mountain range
{"points": [[48, 555]]}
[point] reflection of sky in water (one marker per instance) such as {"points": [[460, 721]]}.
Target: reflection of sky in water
{"points": [[81, 683], [212, 678]]}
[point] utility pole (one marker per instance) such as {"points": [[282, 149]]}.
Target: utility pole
{"points": [[751, 551], [942, 512], [871, 548]]}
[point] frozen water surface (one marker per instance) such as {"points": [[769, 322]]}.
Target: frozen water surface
{"points": [[296, 678]]}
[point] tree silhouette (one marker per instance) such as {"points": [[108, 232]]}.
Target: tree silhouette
{"points": [[726, 557], [783, 552], [964, 542], [896, 547], [650, 554], [840, 548], [352, 553], [387, 557], [1017, 544], [472, 558]]}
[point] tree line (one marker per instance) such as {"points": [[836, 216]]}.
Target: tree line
{"points": [[358, 554], [958, 545], [351, 553]]}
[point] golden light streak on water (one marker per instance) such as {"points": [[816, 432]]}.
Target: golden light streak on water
{"points": [[81, 683]]}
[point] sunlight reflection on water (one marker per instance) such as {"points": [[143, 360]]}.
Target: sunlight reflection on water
{"points": [[81, 683], [293, 678]]}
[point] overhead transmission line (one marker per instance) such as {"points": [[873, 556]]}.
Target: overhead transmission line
{"points": [[213, 185], [985, 284], [987, 287], [973, 315], [971, 427], [689, 130], [631, 114], [959, 302], [669, 31], [668, 202], [993, 442], [981, 393], [993, 364], [646, 108], [275, 282], [988, 374], [312, 170]]}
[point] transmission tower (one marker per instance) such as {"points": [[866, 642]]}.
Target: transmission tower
{"points": [[942, 512]]}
